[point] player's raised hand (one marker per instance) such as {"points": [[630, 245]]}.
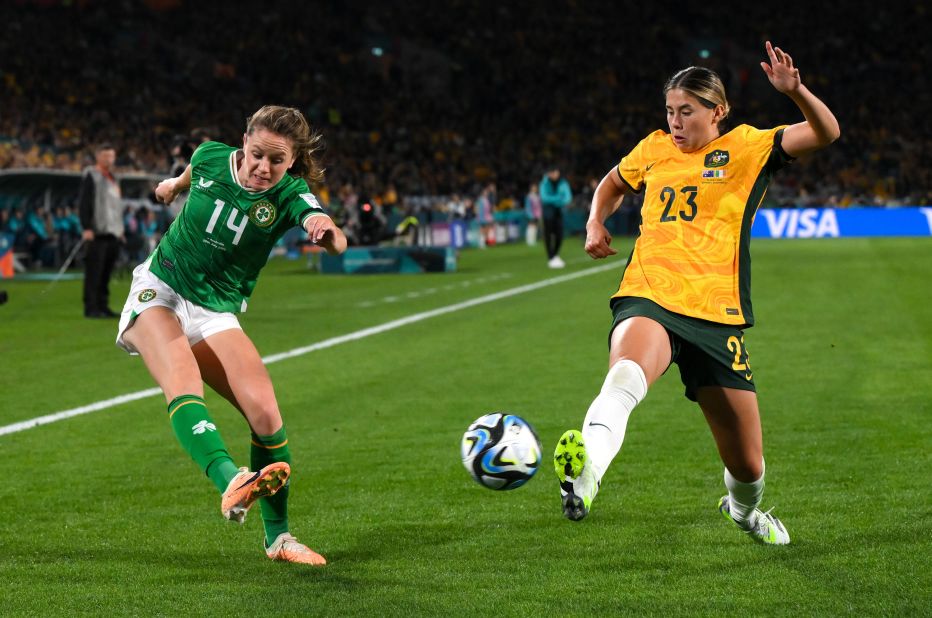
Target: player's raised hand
{"points": [[598, 241], [166, 191], [781, 72]]}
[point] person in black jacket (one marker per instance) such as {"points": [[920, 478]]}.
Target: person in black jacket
{"points": [[101, 214]]}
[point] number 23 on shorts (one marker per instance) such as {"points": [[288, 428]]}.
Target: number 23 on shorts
{"points": [[736, 347]]}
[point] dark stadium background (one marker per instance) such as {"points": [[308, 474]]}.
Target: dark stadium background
{"points": [[437, 97]]}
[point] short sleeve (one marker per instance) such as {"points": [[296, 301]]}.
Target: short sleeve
{"points": [[633, 166], [767, 146], [302, 204], [208, 150]]}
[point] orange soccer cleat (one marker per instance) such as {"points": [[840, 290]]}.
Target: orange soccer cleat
{"points": [[247, 487], [289, 549]]}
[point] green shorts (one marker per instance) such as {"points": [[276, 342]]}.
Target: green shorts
{"points": [[708, 354]]}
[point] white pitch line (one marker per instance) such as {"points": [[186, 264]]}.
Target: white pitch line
{"points": [[327, 343]]}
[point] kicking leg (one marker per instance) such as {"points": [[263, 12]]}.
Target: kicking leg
{"points": [[640, 353], [232, 353]]}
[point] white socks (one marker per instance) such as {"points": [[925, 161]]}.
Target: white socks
{"points": [[604, 427], [744, 497]]}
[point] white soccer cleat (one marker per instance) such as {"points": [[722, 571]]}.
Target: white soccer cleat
{"points": [[766, 528]]}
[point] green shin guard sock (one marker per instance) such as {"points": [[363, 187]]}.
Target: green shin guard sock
{"points": [[266, 450], [198, 436]]}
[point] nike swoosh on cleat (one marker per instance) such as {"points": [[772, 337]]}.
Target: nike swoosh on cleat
{"points": [[251, 479]]}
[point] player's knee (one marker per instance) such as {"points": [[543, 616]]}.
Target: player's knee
{"points": [[261, 410], [626, 378]]}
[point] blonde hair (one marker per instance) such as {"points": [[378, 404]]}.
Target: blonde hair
{"points": [[291, 124], [702, 83]]}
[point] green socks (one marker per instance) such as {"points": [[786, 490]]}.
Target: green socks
{"points": [[267, 450], [198, 435]]}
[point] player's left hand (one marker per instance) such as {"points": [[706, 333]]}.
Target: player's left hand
{"points": [[781, 72], [321, 230]]}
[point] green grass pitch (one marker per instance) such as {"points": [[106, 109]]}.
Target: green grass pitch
{"points": [[103, 514]]}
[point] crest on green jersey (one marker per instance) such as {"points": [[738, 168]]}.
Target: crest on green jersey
{"points": [[146, 295], [263, 213]]}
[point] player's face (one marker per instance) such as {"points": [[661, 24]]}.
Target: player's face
{"points": [[692, 124], [267, 157]]}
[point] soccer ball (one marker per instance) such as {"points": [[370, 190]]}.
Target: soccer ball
{"points": [[501, 451]]}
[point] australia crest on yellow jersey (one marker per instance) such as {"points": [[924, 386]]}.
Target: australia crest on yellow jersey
{"points": [[714, 164], [263, 213], [717, 158]]}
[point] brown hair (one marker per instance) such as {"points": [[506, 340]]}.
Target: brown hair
{"points": [[291, 124], [702, 83]]}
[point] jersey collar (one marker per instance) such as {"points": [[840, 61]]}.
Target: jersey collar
{"points": [[235, 177]]}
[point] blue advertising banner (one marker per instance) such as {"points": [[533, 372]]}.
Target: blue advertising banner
{"points": [[841, 222]]}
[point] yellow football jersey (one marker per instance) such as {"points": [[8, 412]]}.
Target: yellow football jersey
{"points": [[691, 255]]}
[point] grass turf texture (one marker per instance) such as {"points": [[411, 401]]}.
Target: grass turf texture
{"points": [[104, 514]]}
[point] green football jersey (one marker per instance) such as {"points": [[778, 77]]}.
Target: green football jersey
{"points": [[213, 251]]}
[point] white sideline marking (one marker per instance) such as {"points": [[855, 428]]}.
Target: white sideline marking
{"points": [[320, 345], [426, 291]]}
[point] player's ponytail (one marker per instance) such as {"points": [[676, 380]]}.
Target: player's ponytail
{"points": [[290, 123]]}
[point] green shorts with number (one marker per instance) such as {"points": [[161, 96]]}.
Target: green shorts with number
{"points": [[708, 354]]}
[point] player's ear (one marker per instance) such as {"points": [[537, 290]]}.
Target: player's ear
{"points": [[245, 135], [718, 114]]}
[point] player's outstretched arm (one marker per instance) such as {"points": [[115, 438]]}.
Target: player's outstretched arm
{"points": [[169, 188], [321, 230], [820, 127], [606, 200]]}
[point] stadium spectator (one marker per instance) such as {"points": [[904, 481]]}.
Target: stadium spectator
{"points": [[102, 221], [181, 152], [67, 228], [485, 205], [456, 208], [40, 237], [149, 228], [132, 240], [555, 196], [180, 313], [15, 226], [533, 212], [685, 293]]}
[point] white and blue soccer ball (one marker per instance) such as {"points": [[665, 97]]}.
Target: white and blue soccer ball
{"points": [[501, 451]]}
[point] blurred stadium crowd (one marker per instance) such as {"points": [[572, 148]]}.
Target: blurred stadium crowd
{"points": [[435, 99]]}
